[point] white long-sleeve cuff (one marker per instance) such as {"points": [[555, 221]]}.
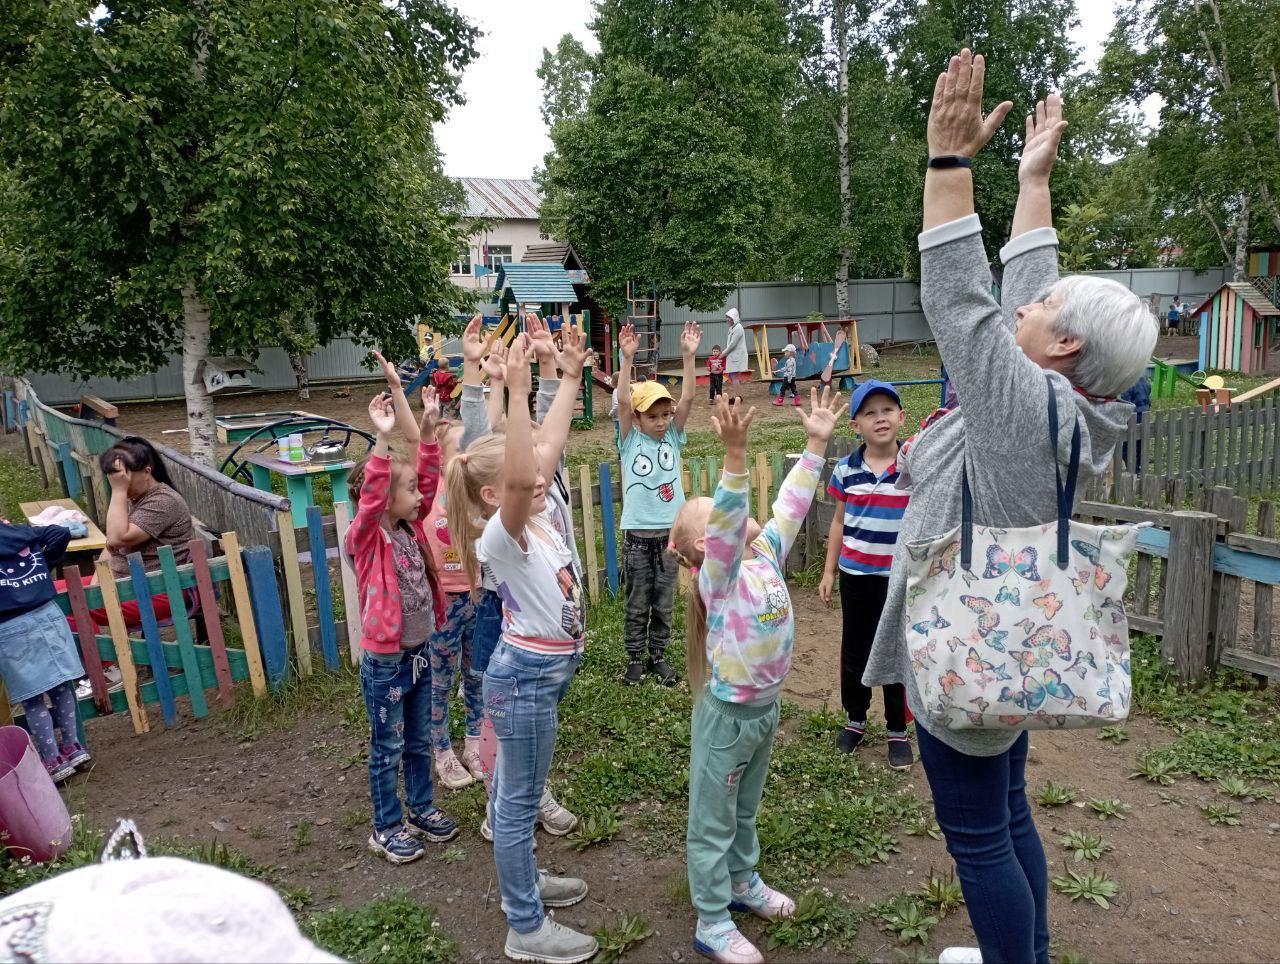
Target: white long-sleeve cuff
{"points": [[951, 231], [1028, 241]]}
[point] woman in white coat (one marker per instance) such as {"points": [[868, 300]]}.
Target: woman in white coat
{"points": [[735, 348]]}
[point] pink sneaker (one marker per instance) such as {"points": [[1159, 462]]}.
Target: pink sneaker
{"points": [[451, 772], [762, 900], [724, 942], [795, 400], [778, 401], [471, 757]]}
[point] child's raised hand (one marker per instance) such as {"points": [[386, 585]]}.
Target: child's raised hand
{"points": [[389, 371], [382, 414], [628, 342], [519, 376], [731, 423], [430, 410], [495, 363], [690, 339], [473, 340], [574, 351], [820, 422]]}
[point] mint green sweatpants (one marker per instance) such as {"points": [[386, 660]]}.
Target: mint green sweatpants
{"points": [[729, 761]]}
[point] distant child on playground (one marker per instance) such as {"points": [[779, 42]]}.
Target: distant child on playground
{"points": [[651, 428], [740, 621], [715, 368], [861, 542], [445, 382], [38, 654], [786, 370], [401, 605], [497, 490]]}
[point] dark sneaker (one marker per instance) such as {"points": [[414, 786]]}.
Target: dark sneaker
{"points": [[560, 891], [635, 672], [435, 826], [665, 672], [901, 756], [59, 770], [75, 755], [399, 846], [849, 739], [551, 943]]}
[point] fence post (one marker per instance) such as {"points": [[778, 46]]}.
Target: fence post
{"points": [[1226, 589], [1188, 592]]}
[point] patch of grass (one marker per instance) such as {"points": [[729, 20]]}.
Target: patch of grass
{"points": [[1092, 885], [303, 835], [337, 693], [1110, 809], [297, 899], [942, 892], [821, 920], [595, 827], [1055, 795], [1156, 767], [453, 855], [677, 890], [615, 941], [1221, 814], [908, 919], [1225, 727], [1113, 734], [1242, 789], [353, 817], [922, 824], [384, 931], [1087, 846], [20, 482]]}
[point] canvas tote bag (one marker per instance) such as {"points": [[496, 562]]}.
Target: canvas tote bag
{"points": [[1022, 628]]}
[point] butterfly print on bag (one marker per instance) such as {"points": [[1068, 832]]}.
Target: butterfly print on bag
{"points": [[1050, 603], [937, 622], [987, 619], [1023, 562]]}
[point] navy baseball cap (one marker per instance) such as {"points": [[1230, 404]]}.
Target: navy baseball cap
{"points": [[866, 390]]}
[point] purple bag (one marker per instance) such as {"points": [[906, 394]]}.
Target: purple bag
{"points": [[34, 821]]}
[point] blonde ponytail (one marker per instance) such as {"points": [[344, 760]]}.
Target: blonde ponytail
{"points": [[695, 625], [465, 510]]}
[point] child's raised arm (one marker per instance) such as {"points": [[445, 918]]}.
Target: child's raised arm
{"points": [[797, 490], [559, 418], [405, 422], [375, 487], [520, 468], [428, 451], [725, 539], [628, 345], [690, 339]]}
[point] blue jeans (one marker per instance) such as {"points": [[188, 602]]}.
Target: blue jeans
{"points": [[399, 709], [488, 629], [981, 805], [522, 693]]}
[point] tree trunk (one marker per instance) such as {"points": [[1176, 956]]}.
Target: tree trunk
{"points": [[201, 431], [841, 28], [1240, 271], [299, 364]]}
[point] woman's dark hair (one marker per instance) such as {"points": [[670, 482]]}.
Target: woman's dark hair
{"points": [[137, 454]]}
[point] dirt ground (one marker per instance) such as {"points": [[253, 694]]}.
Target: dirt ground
{"points": [[1188, 891]]}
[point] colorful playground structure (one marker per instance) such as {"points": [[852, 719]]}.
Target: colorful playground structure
{"points": [[818, 353], [1236, 325]]}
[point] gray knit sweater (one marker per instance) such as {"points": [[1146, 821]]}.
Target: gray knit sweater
{"points": [[1002, 425]]}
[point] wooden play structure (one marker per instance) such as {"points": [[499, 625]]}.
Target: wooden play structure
{"points": [[1235, 328], [818, 354]]}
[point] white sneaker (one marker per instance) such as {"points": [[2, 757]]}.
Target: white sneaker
{"points": [[84, 690], [115, 681], [471, 758], [555, 819], [960, 955], [486, 831], [551, 943], [451, 772]]}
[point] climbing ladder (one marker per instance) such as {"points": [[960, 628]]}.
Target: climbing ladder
{"points": [[642, 313]]}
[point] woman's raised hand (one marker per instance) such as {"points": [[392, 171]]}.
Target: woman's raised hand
{"points": [[956, 125], [1044, 133]]}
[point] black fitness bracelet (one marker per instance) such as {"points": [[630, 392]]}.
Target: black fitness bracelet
{"points": [[948, 161]]}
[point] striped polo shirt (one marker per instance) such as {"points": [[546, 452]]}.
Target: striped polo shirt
{"points": [[873, 511]]}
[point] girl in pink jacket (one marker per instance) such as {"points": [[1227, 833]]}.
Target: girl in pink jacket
{"points": [[400, 607]]}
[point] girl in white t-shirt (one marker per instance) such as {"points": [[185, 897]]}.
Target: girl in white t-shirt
{"points": [[497, 496]]}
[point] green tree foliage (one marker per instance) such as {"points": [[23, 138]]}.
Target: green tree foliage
{"points": [[670, 175], [566, 80], [217, 174]]}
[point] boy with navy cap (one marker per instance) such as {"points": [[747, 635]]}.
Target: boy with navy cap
{"points": [[861, 543]]}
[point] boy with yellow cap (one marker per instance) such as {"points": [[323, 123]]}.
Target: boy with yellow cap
{"points": [[651, 436]]}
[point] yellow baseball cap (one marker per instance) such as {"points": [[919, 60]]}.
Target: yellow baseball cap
{"points": [[644, 394]]}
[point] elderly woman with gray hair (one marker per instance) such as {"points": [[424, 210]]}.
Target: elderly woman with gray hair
{"points": [[1084, 339]]}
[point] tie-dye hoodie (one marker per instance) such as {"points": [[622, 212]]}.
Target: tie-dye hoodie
{"points": [[750, 627]]}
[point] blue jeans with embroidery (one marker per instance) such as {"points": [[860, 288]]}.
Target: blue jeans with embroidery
{"points": [[397, 694], [522, 693], [451, 648], [981, 805]]}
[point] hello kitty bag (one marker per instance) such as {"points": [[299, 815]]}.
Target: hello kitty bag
{"points": [[1034, 636]]}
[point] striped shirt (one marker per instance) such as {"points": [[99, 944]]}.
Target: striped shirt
{"points": [[873, 511]]}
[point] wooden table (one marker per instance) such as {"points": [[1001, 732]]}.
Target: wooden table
{"points": [[298, 478], [82, 552]]}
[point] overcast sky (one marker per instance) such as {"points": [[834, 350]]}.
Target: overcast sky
{"points": [[499, 131]]}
